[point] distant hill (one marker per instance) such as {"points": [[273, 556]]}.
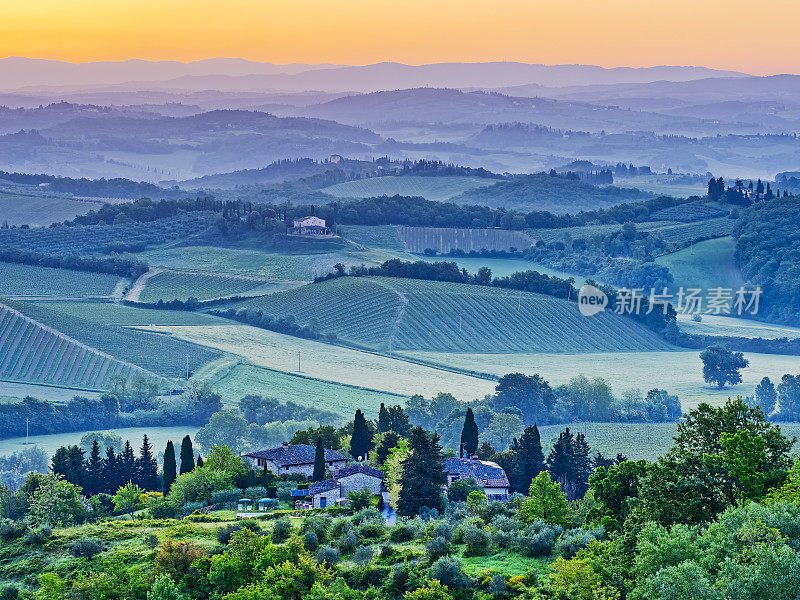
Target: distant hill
{"points": [[432, 188], [401, 314], [541, 191]]}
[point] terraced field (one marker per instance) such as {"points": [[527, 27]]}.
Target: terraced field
{"points": [[182, 285], [685, 233], [160, 354], [445, 239], [121, 315], [33, 352], [39, 211], [400, 314], [18, 281], [432, 188]]}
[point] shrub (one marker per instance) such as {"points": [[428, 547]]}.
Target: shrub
{"points": [[224, 533], [310, 540], [281, 529], [387, 553], [11, 530], [538, 539], [175, 558], [255, 493], [437, 548], [319, 525], [150, 540], [504, 523], [443, 530], [348, 542], [340, 526], [368, 514], [371, 530], [328, 555], [448, 571], [574, 540], [9, 592], [162, 509], [191, 507], [403, 531], [226, 498], [428, 514], [460, 490], [359, 499], [477, 541], [507, 539], [38, 536], [363, 555], [86, 548]]}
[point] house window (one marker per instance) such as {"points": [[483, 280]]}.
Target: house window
{"points": [[287, 468]]}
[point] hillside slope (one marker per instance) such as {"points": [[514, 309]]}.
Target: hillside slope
{"points": [[402, 314], [33, 352]]}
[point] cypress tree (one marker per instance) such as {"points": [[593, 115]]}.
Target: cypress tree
{"points": [[528, 459], [110, 471], [582, 465], [147, 466], [361, 440], [422, 474], [94, 470], [199, 461], [127, 464], [469, 435], [561, 464], [187, 455], [68, 462], [383, 419], [319, 462], [170, 467]]}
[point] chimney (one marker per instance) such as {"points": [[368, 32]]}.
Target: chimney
{"points": [[335, 473], [285, 444]]}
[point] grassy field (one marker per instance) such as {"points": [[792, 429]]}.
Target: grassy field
{"points": [[114, 314], [9, 389], [719, 325], [705, 265], [182, 285], [402, 314], [157, 353], [684, 233], [331, 363], [33, 352], [158, 436], [677, 372], [40, 211], [40, 282], [445, 239], [432, 188], [244, 379], [378, 236]]}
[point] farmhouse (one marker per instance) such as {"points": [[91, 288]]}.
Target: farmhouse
{"points": [[329, 492], [293, 459], [313, 226], [488, 475]]}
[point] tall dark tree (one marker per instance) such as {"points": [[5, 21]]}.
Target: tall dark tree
{"points": [[721, 366], [68, 462], [146, 470], [199, 461], [126, 464], [486, 451], [397, 420], [561, 464], [766, 396], [528, 459], [319, 462], [111, 476], [187, 455], [469, 435], [94, 471], [170, 467], [383, 419], [422, 474], [389, 440], [582, 465], [361, 440]]}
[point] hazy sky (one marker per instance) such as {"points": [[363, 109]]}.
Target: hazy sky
{"points": [[758, 36]]}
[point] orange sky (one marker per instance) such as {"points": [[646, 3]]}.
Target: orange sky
{"points": [[747, 35]]}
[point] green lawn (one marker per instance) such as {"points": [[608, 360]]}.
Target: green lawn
{"points": [[705, 265]]}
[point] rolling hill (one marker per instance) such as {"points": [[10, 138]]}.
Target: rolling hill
{"points": [[432, 188], [400, 314]]}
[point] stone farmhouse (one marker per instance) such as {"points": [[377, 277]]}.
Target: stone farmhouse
{"points": [[311, 226], [487, 474], [293, 459], [333, 491]]}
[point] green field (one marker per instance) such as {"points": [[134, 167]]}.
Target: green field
{"points": [[12, 390], [685, 233], [679, 373], [432, 188], [115, 314], [447, 239], [40, 211], [705, 265], [377, 236], [158, 436], [331, 363], [18, 280], [33, 352], [160, 354], [245, 379], [182, 285], [719, 325], [402, 314]]}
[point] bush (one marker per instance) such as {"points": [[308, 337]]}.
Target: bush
{"points": [[428, 514], [11, 530], [477, 541], [448, 570], [38, 536], [441, 529], [460, 490], [150, 540], [224, 533], [162, 509], [281, 529], [191, 507], [359, 499], [503, 523], [340, 526], [574, 540], [328, 555], [348, 542], [368, 514], [226, 498], [310, 540], [538, 539], [403, 531], [363, 555], [319, 525], [9, 592], [86, 548], [371, 530], [437, 548]]}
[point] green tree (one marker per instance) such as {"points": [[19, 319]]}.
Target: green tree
{"points": [[165, 589], [187, 455], [111, 475], [469, 435], [766, 396], [422, 475], [126, 464], [361, 440], [387, 441], [170, 467], [561, 463], [68, 462], [721, 366], [358, 499], [128, 498], [743, 459], [56, 502], [146, 469], [545, 502], [614, 489], [383, 419], [319, 461], [94, 471], [531, 394], [527, 459]]}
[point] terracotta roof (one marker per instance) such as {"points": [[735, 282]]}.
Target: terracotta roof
{"points": [[300, 454], [486, 473]]}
